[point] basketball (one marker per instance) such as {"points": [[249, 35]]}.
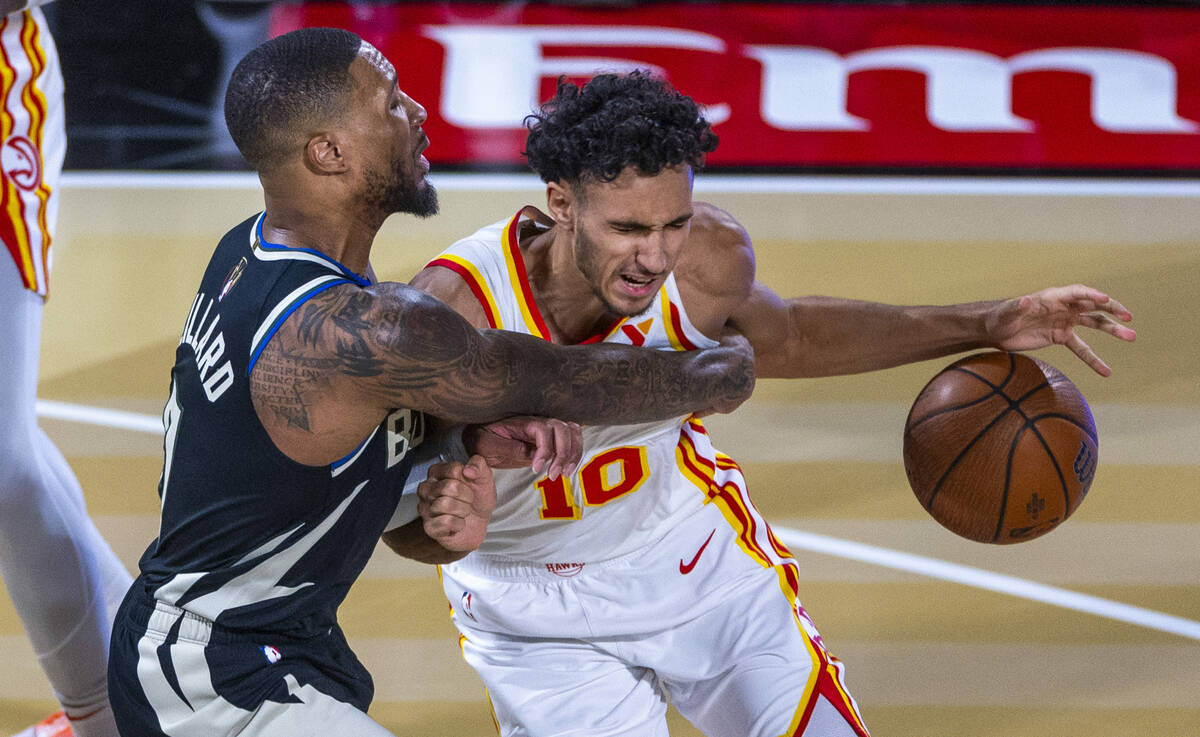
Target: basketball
{"points": [[1000, 447]]}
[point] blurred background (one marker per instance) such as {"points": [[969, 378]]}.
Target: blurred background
{"points": [[907, 152]]}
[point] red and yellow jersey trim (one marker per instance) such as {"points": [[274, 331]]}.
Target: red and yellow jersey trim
{"points": [[728, 497], [477, 284], [825, 676], [24, 226], [674, 325], [519, 278]]}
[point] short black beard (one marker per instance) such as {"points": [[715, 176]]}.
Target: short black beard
{"points": [[400, 195], [584, 248]]}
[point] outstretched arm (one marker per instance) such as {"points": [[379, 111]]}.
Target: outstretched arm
{"points": [[401, 347], [348, 355], [828, 336]]}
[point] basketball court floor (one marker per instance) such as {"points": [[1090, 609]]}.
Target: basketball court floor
{"points": [[1092, 630]]}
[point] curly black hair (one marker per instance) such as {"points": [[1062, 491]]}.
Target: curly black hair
{"points": [[290, 81], [612, 122]]}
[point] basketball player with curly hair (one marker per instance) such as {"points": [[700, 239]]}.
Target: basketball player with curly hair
{"points": [[296, 421], [647, 576]]}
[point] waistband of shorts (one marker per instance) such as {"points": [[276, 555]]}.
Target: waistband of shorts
{"points": [[168, 621], [185, 625], [502, 567]]}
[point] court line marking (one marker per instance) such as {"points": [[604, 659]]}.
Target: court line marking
{"points": [[885, 557], [114, 418], [983, 579], [707, 183]]}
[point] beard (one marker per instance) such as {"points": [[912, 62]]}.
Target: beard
{"points": [[400, 192], [585, 250]]}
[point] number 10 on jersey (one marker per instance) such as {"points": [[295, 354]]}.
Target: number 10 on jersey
{"points": [[607, 476]]}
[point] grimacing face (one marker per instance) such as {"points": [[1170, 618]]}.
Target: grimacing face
{"points": [[394, 180], [629, 234]]}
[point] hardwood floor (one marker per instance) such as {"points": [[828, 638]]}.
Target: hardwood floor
{"points": [[925, 656]]}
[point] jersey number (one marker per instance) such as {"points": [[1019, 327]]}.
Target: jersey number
{"points": [[607, 476]]}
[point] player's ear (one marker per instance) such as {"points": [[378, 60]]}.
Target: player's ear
{"points": [[324, 154], [561, 204]]}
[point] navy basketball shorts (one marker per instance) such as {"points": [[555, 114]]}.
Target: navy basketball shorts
{"points": [[174, 674]]}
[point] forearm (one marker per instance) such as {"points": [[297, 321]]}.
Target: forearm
{"points": [[607, 384], [829, 336], [411, 541], [392, 346]]}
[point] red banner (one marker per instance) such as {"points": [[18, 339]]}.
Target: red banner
{"points": [[817, 87]]}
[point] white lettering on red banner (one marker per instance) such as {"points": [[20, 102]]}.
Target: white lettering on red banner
{"points": [[816, 86]]}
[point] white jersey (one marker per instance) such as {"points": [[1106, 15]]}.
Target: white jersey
{"points": [[634, 482]]}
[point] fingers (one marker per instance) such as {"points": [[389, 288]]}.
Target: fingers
{"points": [[1089, 299], [1106, 323], [483, 487], [558, 446], [449, 488], [1114, 307], [547, 445], [455, 502], [1087, 355], [568, 448]]}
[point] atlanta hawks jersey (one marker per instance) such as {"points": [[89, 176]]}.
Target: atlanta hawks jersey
{"points": [[632, 482], [249, 538]]}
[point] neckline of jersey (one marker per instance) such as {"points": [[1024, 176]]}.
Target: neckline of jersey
{"points": [[269, 246]]}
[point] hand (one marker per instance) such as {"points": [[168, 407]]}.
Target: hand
{"points": [[736, 351], [455, 502], [1050, 317], [516, 442]]}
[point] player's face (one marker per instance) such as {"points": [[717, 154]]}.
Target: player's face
{"points": [[394, 172], [629, 234]]}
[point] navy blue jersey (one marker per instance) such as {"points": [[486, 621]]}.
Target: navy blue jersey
{"points": [[249, 538]]}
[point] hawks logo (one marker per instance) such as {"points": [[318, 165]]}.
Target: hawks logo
{"points": [[21, 163], [566, 570]]}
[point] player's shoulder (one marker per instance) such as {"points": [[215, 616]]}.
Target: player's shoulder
{"points": [[718, 257], [717, 230]]}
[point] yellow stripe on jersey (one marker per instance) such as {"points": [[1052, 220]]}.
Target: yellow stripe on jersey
{"points": [[516, 274], [478, 287], [700, 471], [25, 225], [34, 103], [32, 97], [788, 584], [17, 239], [664, 302]]}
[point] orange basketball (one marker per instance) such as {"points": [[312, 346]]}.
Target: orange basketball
{"points": [[1000, 447]]}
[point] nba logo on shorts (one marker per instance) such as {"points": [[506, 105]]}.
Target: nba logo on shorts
{"points": [[273, 655], [466, 605]]}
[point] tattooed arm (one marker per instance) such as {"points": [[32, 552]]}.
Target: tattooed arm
{"points": [[350, 354]]}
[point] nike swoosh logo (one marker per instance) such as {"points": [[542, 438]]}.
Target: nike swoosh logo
{"points": [[687, 568]]}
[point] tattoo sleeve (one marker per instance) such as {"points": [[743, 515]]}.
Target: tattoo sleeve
{"points": [[410, 350]]}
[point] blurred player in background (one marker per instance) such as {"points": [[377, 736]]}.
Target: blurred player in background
{"points": [[63, 579], [647, 576]]}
